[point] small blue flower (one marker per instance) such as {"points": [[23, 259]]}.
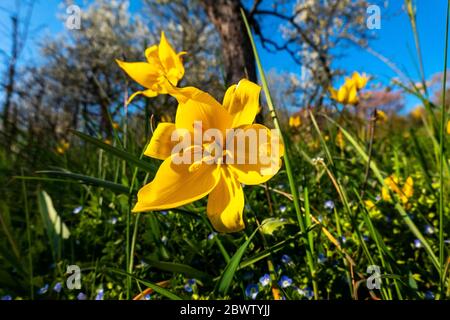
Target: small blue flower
{"points": [[329, 205], [342, 239], [57, 288], [429, 229], [113, 220], [148, 297], [282, 209], [378, 198], [164, 213], [429, 295], [191, 282], [417, 243], [81, 296], [264, 280], [99, 295], [187, 288], [321, 258], [212, 235], [6, 298], [43, 290], [366, 238], [286, 259], [285, 282], [252, 291], [77, 210]]}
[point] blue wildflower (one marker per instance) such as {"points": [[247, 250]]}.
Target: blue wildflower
{"points": [[285, 282], [321, 258], [429, 295], [43, 290], [187, 288], [252, 291], [164, 213], [429, 229], [148, 296], [342, 239], [264, 280], [212, 235], [282, 209], [57, 288], [6, 298], [191, 282], [286, 259], [113, 220], [417, 243], [81, 296], [77, 210], [99, 295], [329, 205]]}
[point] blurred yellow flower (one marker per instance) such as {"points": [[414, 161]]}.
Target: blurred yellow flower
{"points": [[62, 147], [162, 71], [448, 127], [418, 112], [166, 118], [359, 80], [116, 126], [340, 142], [177, 184], [295, 121], [381, 116], [392, 183], [107, 141], [369, 204]]}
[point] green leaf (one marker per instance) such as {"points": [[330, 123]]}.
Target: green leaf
{"points": [[178, 268], [51, 217], [80, 178], [164, 292], [228, 274], [269, 225], [144, 165]]}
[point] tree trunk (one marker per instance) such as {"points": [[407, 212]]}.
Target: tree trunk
{"points": [[238, 58]]}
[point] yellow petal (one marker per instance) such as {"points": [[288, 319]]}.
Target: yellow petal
{"points": [[333, 93], [177, 184], [142, 72], [242, 102], [151, 53], [148, 93], [360, 81], [170, 60], [226, 204], [254, 161], [408, 188], [161, 144], [448, 127], [353, 96], [198, 106], [342, 94]]}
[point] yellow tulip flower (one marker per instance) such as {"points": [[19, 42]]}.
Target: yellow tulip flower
{"points": [[162, 71], [359, 80], [392, 183], [177, 184], [295, 121], [381, 116], [348, 92]]}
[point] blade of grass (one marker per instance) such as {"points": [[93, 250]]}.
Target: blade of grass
{"points": [[441, 162], [287, 157]]}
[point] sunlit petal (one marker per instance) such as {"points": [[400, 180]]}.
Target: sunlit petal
{"points": [[226, 204], [242, 102]]}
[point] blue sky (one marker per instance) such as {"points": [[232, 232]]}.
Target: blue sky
{"points": [[394, 39]]}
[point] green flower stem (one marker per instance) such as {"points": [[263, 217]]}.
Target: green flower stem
{"points": [[287, 158]]}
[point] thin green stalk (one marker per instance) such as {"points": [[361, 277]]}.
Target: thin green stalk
{"points": [[27, 219], [287, 161], [441, 162]]}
